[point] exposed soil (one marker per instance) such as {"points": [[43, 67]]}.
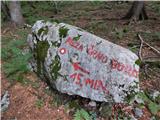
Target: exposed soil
{"points": [[23, 103]]}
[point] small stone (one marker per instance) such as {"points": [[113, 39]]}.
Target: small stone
{"points": [[139, 100], [47, 88], [138, 112], [92, 103], [155, 94], [5, 101]]}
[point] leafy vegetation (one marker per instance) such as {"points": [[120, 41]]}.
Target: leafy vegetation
{"points": [[15, 59], [81, 115], [119, 33], [77, 37], [39, 103], [155, 6], [63, 31], [153, 106], [138, 62], [57, 100]]}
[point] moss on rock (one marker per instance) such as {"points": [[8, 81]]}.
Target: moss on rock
{"points": [[56, 44], [41, 53], [63, 31], [55, 67], [77, 37], [43, 29]]}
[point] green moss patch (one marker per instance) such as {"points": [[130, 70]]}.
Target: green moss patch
{"points": [[55, 67], [63, 32], [77, 37], [56, 44], [43, 29], [41, 53]]}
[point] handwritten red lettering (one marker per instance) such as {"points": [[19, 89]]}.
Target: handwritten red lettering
{"points": [[76, 66], [96, 84], [105, 58], [120, 67], [124, 68], [114, 64], [92, 52], [99, 56], [96, 54], [90, 82], [77, 77], [74, 44]]}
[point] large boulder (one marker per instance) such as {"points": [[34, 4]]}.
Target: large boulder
{"points": [[76, 62]]}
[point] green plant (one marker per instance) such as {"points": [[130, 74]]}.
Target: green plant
{"points": [[39, 103], [48, 91], [81, 115], [151, 36], [15, 60], [97, 2], [152, 106], [57, 100], [138, 62], [93, 115], [119, 33], [155, 6]]}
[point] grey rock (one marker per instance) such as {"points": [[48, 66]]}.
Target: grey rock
{"points": [[76, 62], [5, 101], [155, 94], [138, 112], [138, 99], [92, 103]]}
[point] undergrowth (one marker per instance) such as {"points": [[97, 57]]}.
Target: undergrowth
{"points": [[81, 115], [15, 59]]}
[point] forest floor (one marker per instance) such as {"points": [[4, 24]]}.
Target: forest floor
{"points": [[32, 99]]}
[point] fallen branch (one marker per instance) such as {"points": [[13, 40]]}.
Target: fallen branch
{"points": [[157, 51], [146, 71], [140, 50], [27, 25], [5, 31], [151, 59]]}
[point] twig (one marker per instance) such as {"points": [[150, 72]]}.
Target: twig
{"points": [[140, 50], [145, 70], [27, 25], [5, 31], [13, 35], [157, 51]]}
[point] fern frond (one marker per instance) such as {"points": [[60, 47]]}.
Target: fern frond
{"points": [[81, 115]]}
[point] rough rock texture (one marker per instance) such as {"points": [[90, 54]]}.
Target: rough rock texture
{"points": [[4, 102], [79, 63]]}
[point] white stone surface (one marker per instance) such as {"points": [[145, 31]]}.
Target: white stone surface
{"points": [[89, 66]]}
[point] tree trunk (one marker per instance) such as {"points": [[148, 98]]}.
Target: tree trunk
{"points": [[15, 12], [137, 11], [5, 10]]}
